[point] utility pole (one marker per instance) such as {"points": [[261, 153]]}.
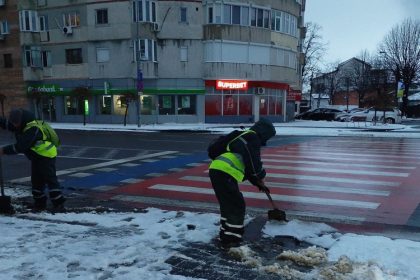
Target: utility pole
{"points": [[139, 80], [347, 95]]}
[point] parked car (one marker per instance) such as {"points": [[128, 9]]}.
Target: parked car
{"points": [[327, 114], [389, 115], [345, 115]]}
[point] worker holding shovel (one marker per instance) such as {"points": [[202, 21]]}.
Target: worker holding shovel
{"points": [[33, 138], [241, 161]]}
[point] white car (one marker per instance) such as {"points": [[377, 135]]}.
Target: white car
{"points": [[392, 115]]}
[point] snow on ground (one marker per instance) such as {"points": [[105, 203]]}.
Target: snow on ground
{"points": [[136, 245], [298, 127]]}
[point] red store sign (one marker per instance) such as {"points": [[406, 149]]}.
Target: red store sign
{"points": [[231, 84]]}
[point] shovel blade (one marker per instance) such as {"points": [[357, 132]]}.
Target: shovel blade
{"points": [[277, 214], [6, 205]]}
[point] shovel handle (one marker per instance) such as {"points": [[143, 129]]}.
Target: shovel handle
{"points": [[271, 200]]}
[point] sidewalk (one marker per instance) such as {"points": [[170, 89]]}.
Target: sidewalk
{"points": [[295, 128]]}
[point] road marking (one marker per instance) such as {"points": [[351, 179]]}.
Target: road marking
{"points": [[276, 197], [80, 174], [342, 171], [302, 187], [338, 180], [79, 151], [383, 156], [314, 162], [99, 165], [329, 158], [111, 153]]}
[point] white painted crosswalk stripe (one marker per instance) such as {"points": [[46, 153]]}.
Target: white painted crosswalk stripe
{"points": [[342, 171], [331, 158], [332, 179], [316, 188], [362, 154], [345, 165], [276, 197]]}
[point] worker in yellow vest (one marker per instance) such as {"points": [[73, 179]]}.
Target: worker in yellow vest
{"points": [[33, 141], [242, 161]]}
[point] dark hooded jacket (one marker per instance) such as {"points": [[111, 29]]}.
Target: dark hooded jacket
{"points": [[251, 151], [24, 140]]}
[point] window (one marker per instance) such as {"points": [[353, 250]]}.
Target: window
{"points": [[8, 61], [183, 12], [166, 105], [120, 104], [210, 15], [245, 16], [42, 3], [46, 58], [102, 55], [28, 21], [144, 10], [148, 104], [186, 104], [145, 50], [102, 16], [74, 56], [184, 53], [74, 105], [71, 19], [4, 27], [33, 56], [236, 15], [43, 23], [105, 104], [227, 14]]}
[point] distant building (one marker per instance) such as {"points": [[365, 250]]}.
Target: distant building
{"points": [[354, 83], [167, 61]]}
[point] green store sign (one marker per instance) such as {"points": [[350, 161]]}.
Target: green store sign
{"points": [[52, 89]]}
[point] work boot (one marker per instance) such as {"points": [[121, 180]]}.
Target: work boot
{"points": [[58, 205], [39, 205]]}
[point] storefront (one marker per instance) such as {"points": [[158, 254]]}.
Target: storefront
{"points": [[240, 101], [222, 101]]}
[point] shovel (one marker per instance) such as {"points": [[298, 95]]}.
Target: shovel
{"points": [[5, 201], [275, 213]]}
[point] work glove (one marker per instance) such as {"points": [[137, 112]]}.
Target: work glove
{"points": [[262, 187]]}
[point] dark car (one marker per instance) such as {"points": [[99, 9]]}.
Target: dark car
{"points": [[320, 114]]}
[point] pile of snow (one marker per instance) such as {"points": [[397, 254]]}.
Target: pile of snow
{"points": [[136, 246]]}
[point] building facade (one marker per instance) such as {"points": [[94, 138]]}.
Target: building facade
{"points": [[12, 86], [161, 61]]}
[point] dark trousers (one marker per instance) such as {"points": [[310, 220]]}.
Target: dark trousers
{"points": [[232, 205], [44, 174]]}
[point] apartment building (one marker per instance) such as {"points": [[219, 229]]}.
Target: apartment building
{"points": [[12, 86], [162, 61]]}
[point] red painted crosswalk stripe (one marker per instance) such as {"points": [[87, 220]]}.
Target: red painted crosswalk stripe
{"points": [[318, 177]]}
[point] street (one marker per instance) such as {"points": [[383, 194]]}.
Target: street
{"points": [[345, 180]]}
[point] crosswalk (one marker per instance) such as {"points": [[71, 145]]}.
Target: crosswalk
{"points": [[364, 180]]}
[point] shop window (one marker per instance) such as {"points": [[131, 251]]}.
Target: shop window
{"points": [[148, 104], [245, 104], [264, 105], [230, 104], [272, 105], [213, 105], [166, 105], [105, 104], [74, 105], [186, 105], [120, 104]]}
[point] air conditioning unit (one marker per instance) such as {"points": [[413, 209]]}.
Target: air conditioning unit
{"points": [[260, 91], [156, 27], [68, 30]]}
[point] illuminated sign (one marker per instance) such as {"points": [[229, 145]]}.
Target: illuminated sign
{"points": [[232, 84]]}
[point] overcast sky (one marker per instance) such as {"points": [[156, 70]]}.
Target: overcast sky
{"points": [[350, 26]]}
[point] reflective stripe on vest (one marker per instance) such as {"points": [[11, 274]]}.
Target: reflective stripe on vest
{"points": [[231, 164], [42, 147]]}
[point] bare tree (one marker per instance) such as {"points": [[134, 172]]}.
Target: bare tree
{"points": [[333, 79], [313, 49], [401, 49]]}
